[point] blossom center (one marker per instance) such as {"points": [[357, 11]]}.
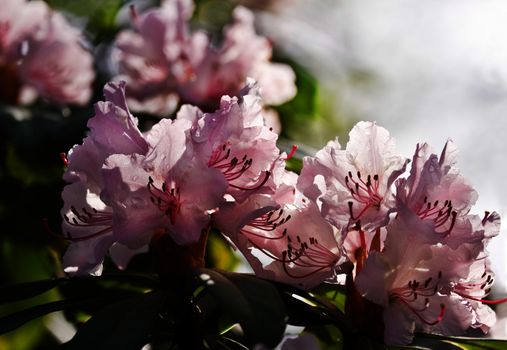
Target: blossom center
{"points": [[364, 191], [439, 212], [308, 256], [416, 297], [259, 227], [233, 168], [167, 198]]}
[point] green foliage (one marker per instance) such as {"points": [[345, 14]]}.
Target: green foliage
{"points": [[100, 16], [219, 253], [310, 117], [213, 15], [329, 336], [130, 310], [435, 341], [243, 299], [124, 324], [294, 164], [333, 293]]}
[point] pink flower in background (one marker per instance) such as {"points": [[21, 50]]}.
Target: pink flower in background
{"points": [[154, 59], [163, 62], [353, 185], [242, 54], [41, 55]]}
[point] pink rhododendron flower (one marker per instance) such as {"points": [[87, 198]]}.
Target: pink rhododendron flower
{"points": [[435, 190], [87, 225], [283, 236], [235, 141], [167, 188], [357, 243], [88, 221], [41, 54], [437, 193], [242, 54], [353, 185], [428, 287], [163, 62]]}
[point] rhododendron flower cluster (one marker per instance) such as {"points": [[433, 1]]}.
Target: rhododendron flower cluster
{"points": [[125, 185], [404, 241], [163, 61], [41, 54], [418, 253]]}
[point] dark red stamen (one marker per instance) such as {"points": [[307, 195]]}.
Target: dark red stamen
{"points": [[413, 292], [84, 218], [167, 199], [366, 193], [234, 168], [269, 222], [486, 217], [440, 213], [65, 160]]}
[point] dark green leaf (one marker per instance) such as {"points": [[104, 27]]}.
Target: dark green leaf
{"points": [[229, 298], [270, 315], [465, 343], [333, 293], [252, 302], [219, 253], [225, 343], [17, 319], [127, 324], [294, 164], [306, 309], [27, 290], [329, 336]]}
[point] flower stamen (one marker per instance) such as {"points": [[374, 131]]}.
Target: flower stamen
{"points": [[167, 199], [363, 192]]}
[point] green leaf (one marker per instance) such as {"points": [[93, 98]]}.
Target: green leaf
{"points": [[252, 302], [464, 343], [101, 289], [332, 292], [27, 290], [294, 164], [306, 309], [225, 343], [126, 324], [17, 319], [219, 253], [329, 336], [269, 310]]}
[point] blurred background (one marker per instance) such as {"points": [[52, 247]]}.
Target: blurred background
{"points": [[425, 70]]}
